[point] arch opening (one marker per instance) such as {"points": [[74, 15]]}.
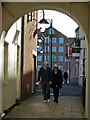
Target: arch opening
{"points": [[60, 10]]}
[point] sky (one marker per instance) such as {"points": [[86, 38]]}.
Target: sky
{"points": [[61, 22]]}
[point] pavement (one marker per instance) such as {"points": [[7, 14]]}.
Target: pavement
{"points": [[69, 106]]}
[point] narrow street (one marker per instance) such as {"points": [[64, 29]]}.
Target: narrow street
{"points": [[69, 106]]}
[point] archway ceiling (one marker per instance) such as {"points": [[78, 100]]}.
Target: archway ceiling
{"points": [[76, 10]]}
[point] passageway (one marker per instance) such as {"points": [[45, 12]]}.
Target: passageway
{"points": [[77, 11], [69, 106]]}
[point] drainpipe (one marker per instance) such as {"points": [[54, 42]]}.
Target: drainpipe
{"points": [[22, 53]]}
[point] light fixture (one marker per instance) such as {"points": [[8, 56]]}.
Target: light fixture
{"points": [[39, 39], [41, 51], [38, 46], [43, 21]]}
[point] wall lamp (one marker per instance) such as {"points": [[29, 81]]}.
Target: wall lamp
{"points": [[43, 21]]}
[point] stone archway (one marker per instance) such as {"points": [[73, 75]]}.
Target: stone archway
{"points": [[75, 10], [78, 11]]}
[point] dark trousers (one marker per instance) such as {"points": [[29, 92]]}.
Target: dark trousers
{"points": [[66, 80], [46, 90], [56, 92]]}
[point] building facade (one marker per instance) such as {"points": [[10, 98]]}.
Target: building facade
{"points": [[83, 55], [29, 54], [79, 59], [59, 48]]}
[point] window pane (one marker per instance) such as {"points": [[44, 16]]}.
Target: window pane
{"points": [[61, 40], [50, 31], [61, 58], [46, 40], [39, 66], [29, 17], [54, 40], [46, 58], [60, 49], [53, 49], [46, 49], [39, 58], [53, 58], [38, 49]]}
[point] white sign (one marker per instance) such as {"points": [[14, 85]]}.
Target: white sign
{"points": [[76, 54]]}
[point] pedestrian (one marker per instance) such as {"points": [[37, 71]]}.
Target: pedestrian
{"points": [[56, 82], [45, 77], [65, 76]]}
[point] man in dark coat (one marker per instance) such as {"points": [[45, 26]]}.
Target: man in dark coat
{"points": [[65, 76], [56, 82], [46, 77]]}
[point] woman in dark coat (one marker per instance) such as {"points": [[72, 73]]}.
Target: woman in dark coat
{"points": [[56, 82], [65, 76]]}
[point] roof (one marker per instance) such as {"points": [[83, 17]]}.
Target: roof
{"points": [[55, 30]]}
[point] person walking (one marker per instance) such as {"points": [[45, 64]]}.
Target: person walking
{"points": [[56, 82], [45, 78], [65, 76]]}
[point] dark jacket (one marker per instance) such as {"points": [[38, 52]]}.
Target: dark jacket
{"points": [[45, 75], [57, 79], [65, 75]]}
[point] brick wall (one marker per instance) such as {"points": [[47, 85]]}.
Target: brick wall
{"points": [[30, 43]]}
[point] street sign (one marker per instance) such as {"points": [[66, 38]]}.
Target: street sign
{"points": [[76, 50], [73, 52]]}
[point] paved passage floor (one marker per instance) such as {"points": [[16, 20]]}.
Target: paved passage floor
{"points": [[69, 106]]}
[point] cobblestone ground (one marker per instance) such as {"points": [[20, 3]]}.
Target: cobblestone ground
{"points": [[69, 106]]}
